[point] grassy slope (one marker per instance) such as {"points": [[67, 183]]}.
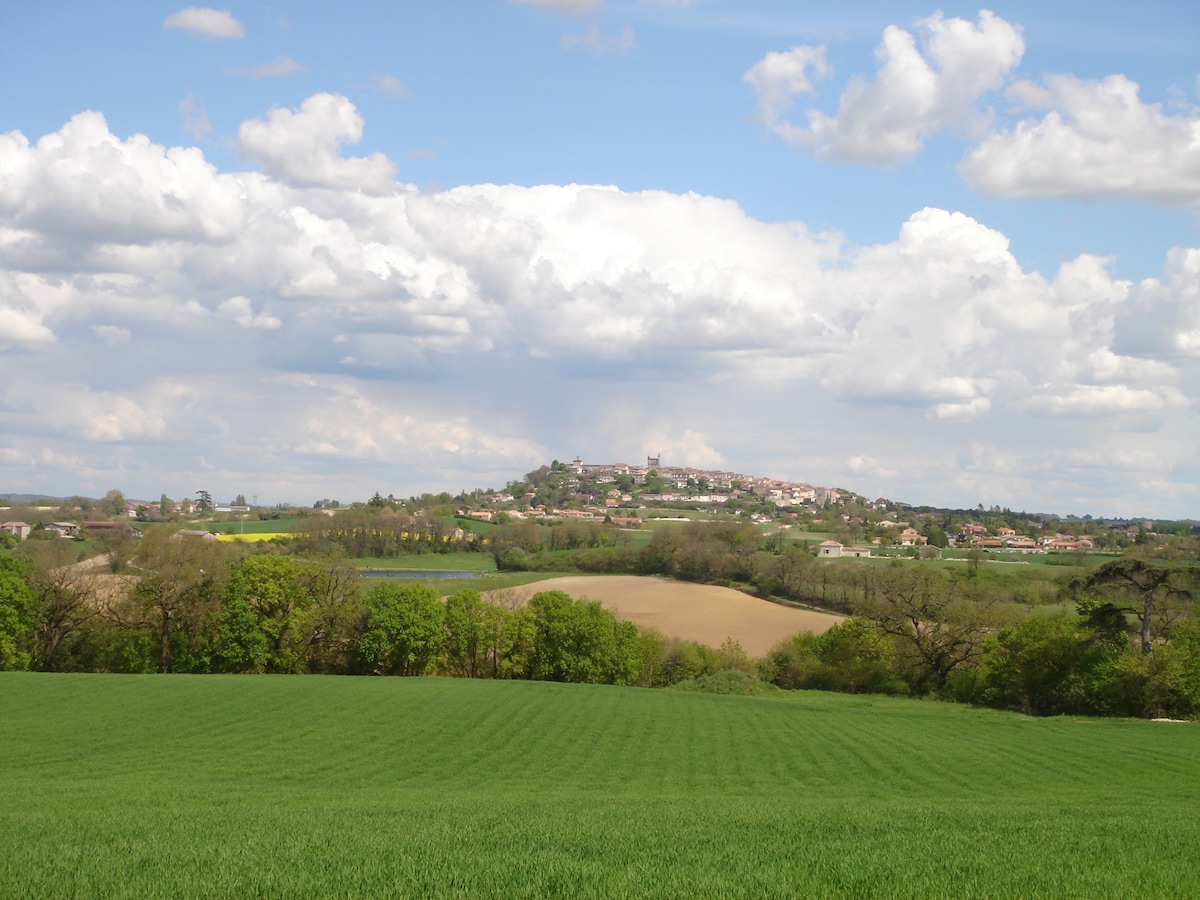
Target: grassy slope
{"points": [[254, 526], [484, 581], [292, 787], [464, 561]]}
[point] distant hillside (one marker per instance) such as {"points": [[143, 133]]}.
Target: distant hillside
{"points": [[27, 499]]}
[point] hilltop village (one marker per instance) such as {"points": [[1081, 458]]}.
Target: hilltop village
{"points": [[628, 497]]}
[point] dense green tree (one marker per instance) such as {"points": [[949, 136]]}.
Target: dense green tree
{"points": [[653, 656], [178, 582], [18, 608], [466, 619], [852, 657], [241, 644], [68, 598], [581, 641], [113, 503], [1172, 674], [937, 537], [689, 659], [335, 625], [282, 614], [273, 587], [1049, 665], [509, 634], [405, 629]]}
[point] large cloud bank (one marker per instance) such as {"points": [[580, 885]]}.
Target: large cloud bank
{"points": [[317, 325]]}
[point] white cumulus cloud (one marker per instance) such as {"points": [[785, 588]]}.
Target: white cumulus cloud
{"points": [[303, 147], [1096, 139], [779, 77], [214, 23], [84, 181], [918, 89]]}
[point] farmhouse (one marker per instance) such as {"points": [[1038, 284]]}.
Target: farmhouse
{"points": [[910, 537], [628, 521], [1022, 543], [836, 550], [20, 529], [193, 533]]}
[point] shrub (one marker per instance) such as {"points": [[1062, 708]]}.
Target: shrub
{"points": [[729, 681], [850, 658]]}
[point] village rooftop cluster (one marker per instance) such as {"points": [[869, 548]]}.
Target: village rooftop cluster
{"points": [[625, 495], [591, 490], [621, 493]]}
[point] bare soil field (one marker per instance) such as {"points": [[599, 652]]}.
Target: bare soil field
{"points": [[694, 612]]}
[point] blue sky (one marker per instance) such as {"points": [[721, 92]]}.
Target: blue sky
{"points": [[944, 254]]}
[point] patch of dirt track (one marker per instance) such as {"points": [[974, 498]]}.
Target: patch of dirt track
{"points": [[694, 612]]}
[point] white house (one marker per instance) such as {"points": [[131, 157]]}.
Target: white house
{"points": [[835, 550], [20, 529]]}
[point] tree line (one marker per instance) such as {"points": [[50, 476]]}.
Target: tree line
{"points": [[380, 533], [918, 633], [194, 606], [189, 605]]}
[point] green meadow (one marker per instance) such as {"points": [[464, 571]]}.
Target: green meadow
{"points": [[261, 786], [464, 561]]}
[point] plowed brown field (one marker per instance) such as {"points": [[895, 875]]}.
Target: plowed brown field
{"points": [[695, 612]]}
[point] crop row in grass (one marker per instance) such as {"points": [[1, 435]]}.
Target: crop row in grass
{"points": [[289, 787]]}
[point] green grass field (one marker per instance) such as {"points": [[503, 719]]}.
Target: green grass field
{"points": [[485, 581], [254, 526], [260, 786], [465, 561]]}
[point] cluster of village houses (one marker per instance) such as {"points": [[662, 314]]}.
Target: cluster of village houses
{"points": [[968, 537], [63, 529], [722, 485], [715, 487], [187, 506]]}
